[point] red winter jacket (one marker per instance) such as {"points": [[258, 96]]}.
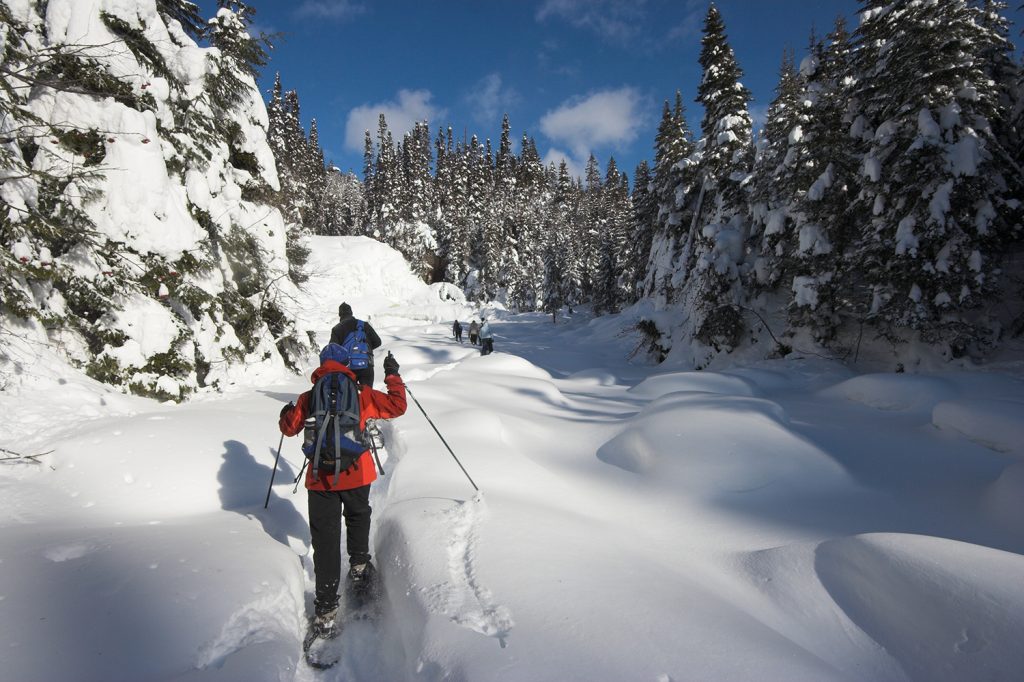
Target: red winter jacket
{"points": [[373, 404]]}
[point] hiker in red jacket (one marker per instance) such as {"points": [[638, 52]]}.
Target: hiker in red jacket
{"points": [[348, 493]]}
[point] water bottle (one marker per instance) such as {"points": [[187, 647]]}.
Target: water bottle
{"points": [[309, 436]]}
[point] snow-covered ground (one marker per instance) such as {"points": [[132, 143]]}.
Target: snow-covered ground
{"points": [[785, 520]]}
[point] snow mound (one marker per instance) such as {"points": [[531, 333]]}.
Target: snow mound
{"points": [[679, 439], [781, 374], [943, 609], [1005, 498], [704, 382], [996, 424], [598, 377], [894, 392]]}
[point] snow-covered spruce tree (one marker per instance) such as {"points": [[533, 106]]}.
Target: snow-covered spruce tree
{"points": [[148, 294], [780, 169], [443, 219], [529, 209], [713, 291], [412, 234], [505, 240], [455, 185], [344, 208], [644, 214], [315, 176], [670, 256], [609, 287], [937, 204], [387, 186], [823, 271], [369, 183], [479, 220]]}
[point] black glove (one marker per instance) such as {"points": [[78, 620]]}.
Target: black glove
{"points": [[390, 365], [286, 409]]}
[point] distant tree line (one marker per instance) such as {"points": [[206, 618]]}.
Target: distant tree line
{"points": [[883, 197]]}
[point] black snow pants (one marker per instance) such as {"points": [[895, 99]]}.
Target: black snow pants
{"points": [[325, 511]]}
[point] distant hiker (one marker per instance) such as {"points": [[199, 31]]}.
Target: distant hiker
{"points": [[360, 340], [457, 331], [486, 339], [474, 332], [331, 490]]}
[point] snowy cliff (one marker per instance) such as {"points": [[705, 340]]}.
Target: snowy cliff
{"points": [[138, 229]]}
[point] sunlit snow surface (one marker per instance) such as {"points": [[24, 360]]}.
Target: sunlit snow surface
{"points": [[788, 520]]}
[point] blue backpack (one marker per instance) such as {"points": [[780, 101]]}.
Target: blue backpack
{"points": [[358, 348], [332, 437]]}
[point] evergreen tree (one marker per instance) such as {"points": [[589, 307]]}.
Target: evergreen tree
{"points": [[824, 273], [186, 14], [672, 199], [609, 290], [644, 214], [937, 200], [778, 178], [714, 290], [726, 125], [530, 211], [314, 178]]}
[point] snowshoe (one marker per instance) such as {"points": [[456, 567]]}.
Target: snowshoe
{"points": [[321, 646], [362, 591]]}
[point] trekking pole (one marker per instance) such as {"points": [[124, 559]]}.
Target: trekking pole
{"points": [[296, 481], [273, 473], [409, 391]]}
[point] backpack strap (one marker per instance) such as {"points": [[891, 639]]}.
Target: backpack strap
{"points": [[322, 391]]}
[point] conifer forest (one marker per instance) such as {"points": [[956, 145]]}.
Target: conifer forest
{"points": [[881, 203]]}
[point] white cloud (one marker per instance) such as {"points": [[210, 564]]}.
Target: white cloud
{"points": [[615, 20], [609, 117], [411, 106], [689, 28], [556, 156], [329, 9], [488, 100]]}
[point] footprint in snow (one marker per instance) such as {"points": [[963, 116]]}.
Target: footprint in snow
{"points": [[469, 603]]}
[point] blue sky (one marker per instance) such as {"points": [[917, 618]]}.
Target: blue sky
{"points": [[581, 76]]}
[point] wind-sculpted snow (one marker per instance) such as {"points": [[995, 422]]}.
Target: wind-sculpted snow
{"points": [[896, 392], [899, 590], [709, 443], [708, 382], [891, 606], [996, 424], [1004, 500]]}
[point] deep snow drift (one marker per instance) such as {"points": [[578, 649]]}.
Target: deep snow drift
{"points": [[781, 520]]}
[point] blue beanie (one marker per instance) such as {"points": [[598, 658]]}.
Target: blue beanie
{"points": [[334, 351]]}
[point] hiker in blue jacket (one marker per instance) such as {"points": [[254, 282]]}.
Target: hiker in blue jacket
{"points": [[348, 324]]}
